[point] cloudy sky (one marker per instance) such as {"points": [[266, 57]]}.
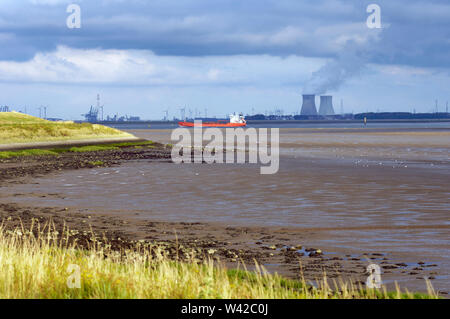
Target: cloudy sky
{"points": [[147, 56]]}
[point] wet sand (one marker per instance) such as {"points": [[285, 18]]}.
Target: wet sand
{"points": [[357, 211]]}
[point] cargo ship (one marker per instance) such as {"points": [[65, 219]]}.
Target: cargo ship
{"points": [[235, 121]]}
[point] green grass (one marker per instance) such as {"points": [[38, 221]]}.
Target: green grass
{"points": [[36, 265], [79, 149], [22, 128], [96, 163], [113, 146], [55, 151], [30, 152], [92, 148], [130, 144], [104, 147]]}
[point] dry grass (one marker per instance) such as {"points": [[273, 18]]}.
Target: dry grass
{"points": [[36, 264], [19, 118], [22, 128]]}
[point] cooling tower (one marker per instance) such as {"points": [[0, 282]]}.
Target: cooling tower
{"points": [[309, 105], [326, 105]]}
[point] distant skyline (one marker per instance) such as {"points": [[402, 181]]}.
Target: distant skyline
{"points": [[146, 57]]}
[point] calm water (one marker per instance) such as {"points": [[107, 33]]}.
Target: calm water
{"points": [[125, 126]]}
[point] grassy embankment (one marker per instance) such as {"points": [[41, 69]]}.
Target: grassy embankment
{"points": [[22, 128], [37, 265]]}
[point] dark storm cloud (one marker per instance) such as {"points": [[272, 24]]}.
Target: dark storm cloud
{"points": [[416, 32]]}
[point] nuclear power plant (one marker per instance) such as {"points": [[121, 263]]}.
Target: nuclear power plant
{"points": [[309, 105], [326, 105]]}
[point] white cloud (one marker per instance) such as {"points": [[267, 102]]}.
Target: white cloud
{"points": [[142, 67], [69, 79]]}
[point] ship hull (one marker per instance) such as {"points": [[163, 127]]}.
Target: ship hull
{"points": [[191, 124]]}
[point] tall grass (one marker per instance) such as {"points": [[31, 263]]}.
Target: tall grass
{"points": [[21, 128], [36, 264]]}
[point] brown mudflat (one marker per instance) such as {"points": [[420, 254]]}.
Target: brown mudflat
{"points": [[288, 249], [238, 247]]}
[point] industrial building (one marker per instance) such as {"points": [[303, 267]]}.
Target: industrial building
{"points": [[309, 105], [326, 105]]}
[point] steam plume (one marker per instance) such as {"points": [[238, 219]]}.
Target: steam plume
{"points": [[349, 63]]}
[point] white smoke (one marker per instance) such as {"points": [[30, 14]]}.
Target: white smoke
{"points": [[349, 63]]}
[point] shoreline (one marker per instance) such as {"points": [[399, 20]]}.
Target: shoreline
{"points": [[276, 248], [55, 144], [250, 122], [117, 267]]}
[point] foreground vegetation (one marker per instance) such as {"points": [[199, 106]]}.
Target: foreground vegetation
{"points": [[22, 128], [78, 149], [45, 264]]}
